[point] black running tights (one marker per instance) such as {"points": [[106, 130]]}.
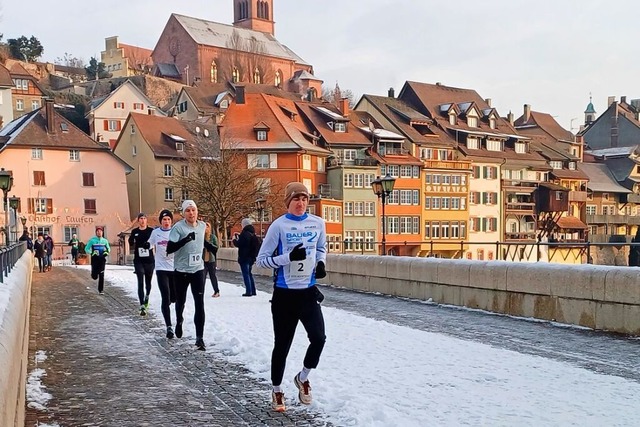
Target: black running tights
{"points": [[182, 282]]}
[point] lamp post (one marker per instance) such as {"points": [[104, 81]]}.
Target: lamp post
{"points": [[14, 203], [23, 220], [260, 204], [6, 182], [382, 187]]}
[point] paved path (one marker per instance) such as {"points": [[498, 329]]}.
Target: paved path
{"points": [[106, 366]]}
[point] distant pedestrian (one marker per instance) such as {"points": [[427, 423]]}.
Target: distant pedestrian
{"points": [[40, 253], [74, 242], [98, 247], [295, 246], [210, 264], [26, 238], [143, 261], [48, 245], [186, 239], [248, 244], [164, 266]]}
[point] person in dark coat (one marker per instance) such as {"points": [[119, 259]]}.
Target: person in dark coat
{"points": [[27, 238], [40, 253], [634, 251], [246, 242], [48, 245]]}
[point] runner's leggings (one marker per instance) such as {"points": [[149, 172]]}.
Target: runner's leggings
{"points": [[144, 273], [182, 282], [288, 306], [167, 293]]}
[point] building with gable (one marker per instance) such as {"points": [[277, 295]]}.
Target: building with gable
{"points": [[26, 93], [107, 114], [617, 126], [66, 182], [245, 52], [155, 146], [123, 60]]}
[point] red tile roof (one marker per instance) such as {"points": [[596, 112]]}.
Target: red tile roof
{"points": [[318, 124], [546, 123], [138, 56], [5, 77], [157, 131]]}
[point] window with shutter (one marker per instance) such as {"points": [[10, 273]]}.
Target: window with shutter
{"points": [[90, 206], [87, 179], [106, 124], [49, 206], [38, 178]]}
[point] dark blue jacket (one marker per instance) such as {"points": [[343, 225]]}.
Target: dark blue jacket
{"points": [[245, 244]]}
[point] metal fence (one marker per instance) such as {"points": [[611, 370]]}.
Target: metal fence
{"points": [[9, 256]]}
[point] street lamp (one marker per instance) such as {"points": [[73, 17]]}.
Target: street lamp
{"points": [[6, 182], [14, 203], [260, 204], [23, 220], [382, 187]]}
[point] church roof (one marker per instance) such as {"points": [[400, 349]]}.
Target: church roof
{"points": [[590, 108], [210, 33]]}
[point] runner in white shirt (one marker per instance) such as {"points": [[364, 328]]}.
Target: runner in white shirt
{"points": [[164, 266], [295, 247]]}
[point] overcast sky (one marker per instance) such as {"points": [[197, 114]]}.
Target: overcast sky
{"points": [[551, 54]]}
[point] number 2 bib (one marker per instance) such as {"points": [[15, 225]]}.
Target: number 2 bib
{"points": [[301, 269]]}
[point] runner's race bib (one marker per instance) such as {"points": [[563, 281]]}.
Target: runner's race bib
{"points": [[195, 259], [299, 270], [142, 252]]}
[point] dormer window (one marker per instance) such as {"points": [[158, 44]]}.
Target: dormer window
{"points": [[340, 127], [224, 104], [179, 146], [473, 143], [572, 166], [555, 164], [494, 145], [452, 118], [492, 122], [472, 121], [521, 147], [262, 131]]}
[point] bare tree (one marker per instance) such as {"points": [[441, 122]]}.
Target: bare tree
{"points": [[244, 60], [222, 185], [68, 60], [140, 64], [334, 96]]}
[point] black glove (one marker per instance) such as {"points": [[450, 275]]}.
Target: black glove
{"points": [[319, 295], [146, 245], [105, 254], [320, 271], [298, 253], [192, 235]]}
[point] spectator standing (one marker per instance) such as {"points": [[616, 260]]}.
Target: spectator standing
{"points": [[48, 245], [295, 247], [210, 260], [27, 238], [246, 243], [74, 242], [40, 253]]}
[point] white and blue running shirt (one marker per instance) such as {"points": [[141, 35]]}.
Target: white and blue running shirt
{"points": [[159, 239], [282, 236]]}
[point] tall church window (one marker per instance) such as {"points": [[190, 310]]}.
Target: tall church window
{"points": [[257, 78], [214, 72], [235, 75], [278, 78]]}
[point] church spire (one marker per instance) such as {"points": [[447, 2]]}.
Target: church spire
{"points": [[589, 113]]}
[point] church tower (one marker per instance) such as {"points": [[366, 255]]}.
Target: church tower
{"points": [[254, 14], [589, 113]]}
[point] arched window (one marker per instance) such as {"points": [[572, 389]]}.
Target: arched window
{"points": [[278, 78], [257, 79], [214, 72], [259, 8], [235, 75], [266, 10]]}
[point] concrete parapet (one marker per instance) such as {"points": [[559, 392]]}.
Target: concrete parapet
{"points": [[14, 342]]}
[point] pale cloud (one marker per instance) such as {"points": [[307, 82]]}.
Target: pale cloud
{"points": [[549, 53]]}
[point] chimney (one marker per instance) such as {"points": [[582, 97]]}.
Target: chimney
{"points": [[610, 100], [527, 112], [48, 111], [623, 99], [240, 95], [488, 101], [510, 118], [344, 106], [391, 93]]}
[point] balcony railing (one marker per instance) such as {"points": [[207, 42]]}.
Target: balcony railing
{"points": [[613, 219], [521, 236], [518, 183], [524, 207], [447, 164]]}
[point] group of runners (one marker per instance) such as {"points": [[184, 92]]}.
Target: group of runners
{"points": [[294, 247]]}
